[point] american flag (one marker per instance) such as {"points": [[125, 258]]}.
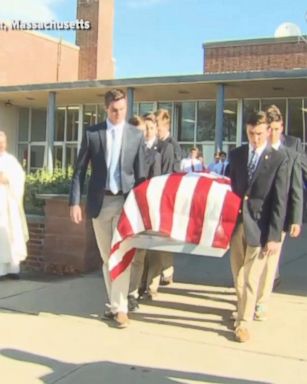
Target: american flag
{"points": [[196, 208]]}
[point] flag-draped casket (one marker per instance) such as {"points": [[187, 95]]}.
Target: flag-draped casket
{"points": [[193, 208]]}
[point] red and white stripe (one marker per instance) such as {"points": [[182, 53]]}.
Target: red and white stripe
{"points": [[196, 208]]}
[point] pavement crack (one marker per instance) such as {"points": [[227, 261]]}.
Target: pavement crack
{"points": [[77, 368], [22, 293]]}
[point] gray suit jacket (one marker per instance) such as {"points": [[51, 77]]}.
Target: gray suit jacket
{"points": [[294, 212], [93, 152]]}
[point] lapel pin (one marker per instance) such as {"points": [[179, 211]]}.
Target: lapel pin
{"points": [[266, 157]]}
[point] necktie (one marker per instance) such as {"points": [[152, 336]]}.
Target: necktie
{"points": [[252, 164], [193, 168], [223, 169]]}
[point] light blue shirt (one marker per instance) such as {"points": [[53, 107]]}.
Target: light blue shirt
{"points": [[114, 136]]}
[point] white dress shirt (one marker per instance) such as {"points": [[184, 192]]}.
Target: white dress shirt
{"points": [[191, 165], [259, 152]]}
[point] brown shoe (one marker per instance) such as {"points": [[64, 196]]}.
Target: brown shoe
{"points": [[241, 335], [121, 320]]}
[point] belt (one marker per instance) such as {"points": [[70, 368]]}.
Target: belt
{"points": [[109, 193]]}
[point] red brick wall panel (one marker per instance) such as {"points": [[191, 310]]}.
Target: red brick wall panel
{"points": [[256, 57]]}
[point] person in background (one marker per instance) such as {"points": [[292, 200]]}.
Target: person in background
{"points": [[160, 264], [201, 159], [258, 175], [115, 152], [13, 226], [192, 162], [214, 163], [139, 268], [221, 167], [138, 122], [293, 219]]}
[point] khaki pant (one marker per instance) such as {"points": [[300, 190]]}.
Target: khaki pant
{"points": [[158, 262], [247, 265], [104, 226], [137, 270], [267, 279]]}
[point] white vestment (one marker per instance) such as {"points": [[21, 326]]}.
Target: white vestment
{"points": [[13, 225]]}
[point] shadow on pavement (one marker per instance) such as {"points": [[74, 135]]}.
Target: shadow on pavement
{"points": [[106, 372]]}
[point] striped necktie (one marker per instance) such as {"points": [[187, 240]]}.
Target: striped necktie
{"points": [[252, 165]]}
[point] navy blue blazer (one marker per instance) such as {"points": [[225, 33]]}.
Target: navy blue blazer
{"points": [[264, 199], [93, 152]]}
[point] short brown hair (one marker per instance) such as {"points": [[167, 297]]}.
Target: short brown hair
{"points": [[113, 95], [256, 118], [136, 120], [149, 117], [162, 115], [273, 114]]}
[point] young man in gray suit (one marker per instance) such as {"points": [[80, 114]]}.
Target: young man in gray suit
{"points": [[115, 152], [259, 176], [291, 146]]}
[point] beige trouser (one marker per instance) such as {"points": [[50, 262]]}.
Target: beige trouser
{"points": [[269, 274], [104, 226], [158, 262], [137, 270], [247, 265]]}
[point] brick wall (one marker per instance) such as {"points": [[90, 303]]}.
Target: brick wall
{"points": [[96, 44], [35, 260], [264, 54], [59, 247], [87, 40], [28, 57]]}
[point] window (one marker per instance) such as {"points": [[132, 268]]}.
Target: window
{"points": [[71, 155], [57, 156], [23, 155], [101, 113], [38, 124], [89, 115], [37, 157], [60, 124], [32, 137], [206, 111], [280, 103], [23, 131], [230, 121], [146, 108], [67, 126], [72, 123], [186, 121]]}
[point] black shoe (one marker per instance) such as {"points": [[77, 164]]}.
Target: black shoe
{"points": [[108, 315], [13, 276], [133, 305], [142, 292]]}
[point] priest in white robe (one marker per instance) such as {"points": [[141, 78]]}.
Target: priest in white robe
{"points": [[13, 225]]}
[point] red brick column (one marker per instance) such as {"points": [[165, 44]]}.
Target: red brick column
{"points": [[68, 247], [35, 260], [56, 245]]}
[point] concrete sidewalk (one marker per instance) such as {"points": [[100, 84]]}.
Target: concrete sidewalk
{"points": [[50, 330]]}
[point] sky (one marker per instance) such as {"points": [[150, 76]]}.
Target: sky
{"points": [[165, 37]]}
